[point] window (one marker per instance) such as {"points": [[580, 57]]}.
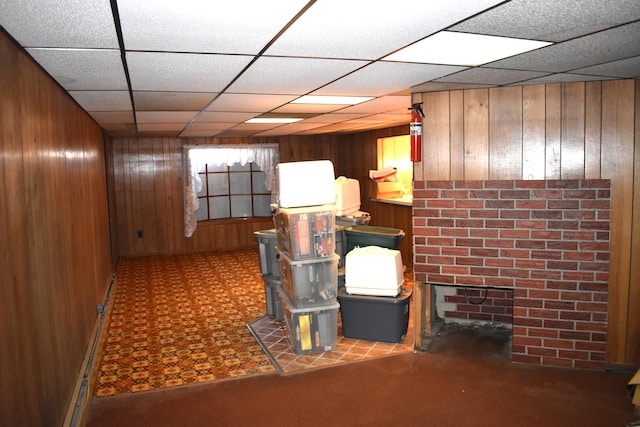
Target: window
{"points": [[396, 152], [236, 191], [199, 158]]}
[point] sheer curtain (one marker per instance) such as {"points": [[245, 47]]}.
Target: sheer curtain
{"points": [[266, 156]]}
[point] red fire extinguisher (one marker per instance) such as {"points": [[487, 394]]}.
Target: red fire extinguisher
{"points": [[415, 131]]}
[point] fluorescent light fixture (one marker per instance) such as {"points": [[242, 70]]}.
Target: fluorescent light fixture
{"points": [[451, 48], [335, 100], [274, 120]]}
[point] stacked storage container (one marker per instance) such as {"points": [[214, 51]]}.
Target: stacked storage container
{"points": [[304, 220], [374, 303], [270, 270]]}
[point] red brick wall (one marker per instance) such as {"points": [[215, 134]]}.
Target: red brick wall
{"points": [[481, 304], [548, 241]]}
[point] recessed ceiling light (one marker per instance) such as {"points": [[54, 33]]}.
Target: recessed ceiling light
{"points": [[337, 100], [274, 120], [452, 48]]}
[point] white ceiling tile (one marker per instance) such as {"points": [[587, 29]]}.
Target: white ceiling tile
{"points": [[490, 76], [223, 117], [625, 68], [109, 117], [384, 103], [438, 86], [611, 45], [295, 76], [334, 117], [183, 72], [249, 102], [243, 27], [209, 127], [160, 127], [174, 101], [308, 108], [555, 20], [96, 100], [290, 129], [165, 116], [382, 78], [337, 28], [83, 69], [61, 23], [562, 78]]}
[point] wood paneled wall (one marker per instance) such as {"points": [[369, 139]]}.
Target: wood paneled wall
{"points": [[55, 260], [149, 179], [557, 131]]}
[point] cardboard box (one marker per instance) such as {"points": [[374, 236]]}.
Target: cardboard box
{"points": [[385, 189]]}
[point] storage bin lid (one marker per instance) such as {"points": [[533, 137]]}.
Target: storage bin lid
{"points": [[368, 229], [404, 294]]}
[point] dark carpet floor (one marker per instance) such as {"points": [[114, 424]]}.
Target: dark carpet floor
{"points": [[465, 379]]}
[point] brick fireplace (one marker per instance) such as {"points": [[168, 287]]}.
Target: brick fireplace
{"points": [[545, 242]]}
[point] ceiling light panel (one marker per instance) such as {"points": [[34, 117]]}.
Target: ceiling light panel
{"points": [[611, 45], [202, 25], [106, 100], [183, 72], [337, 28], [83, 69], [381, 78], [529, 19], [296, 76], [173, 101], [463, 49], [68, 23], [248, 102]]}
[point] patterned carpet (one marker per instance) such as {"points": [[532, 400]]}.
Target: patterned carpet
{"points": [[183, 319]]}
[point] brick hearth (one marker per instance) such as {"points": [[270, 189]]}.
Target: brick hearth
{"points": [[547, 241]]}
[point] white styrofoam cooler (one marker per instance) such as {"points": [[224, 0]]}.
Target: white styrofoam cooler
{"points": [[308, 183], [373, 270]]}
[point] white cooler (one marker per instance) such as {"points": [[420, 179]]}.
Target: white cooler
{"points": [[309, 183], [372, 270], [348, 203]]}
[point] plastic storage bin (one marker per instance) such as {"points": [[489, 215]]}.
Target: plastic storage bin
{"points": [[266, 248], [366, 235], [307, 232], [341, 244], [309, 283], [372, 270], [310, 330], [271, 285], [375, 318], [308, 183]]}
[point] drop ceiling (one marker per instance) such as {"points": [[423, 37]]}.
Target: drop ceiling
{"points": [[194, 68]]}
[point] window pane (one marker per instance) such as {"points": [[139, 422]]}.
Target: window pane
{"points": [[218, 184], [202, 213], [212, 167], [238, 167], [203, 191], [259, 182], [219, 207], [261, 205], [240, 183], [240, 206]]}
